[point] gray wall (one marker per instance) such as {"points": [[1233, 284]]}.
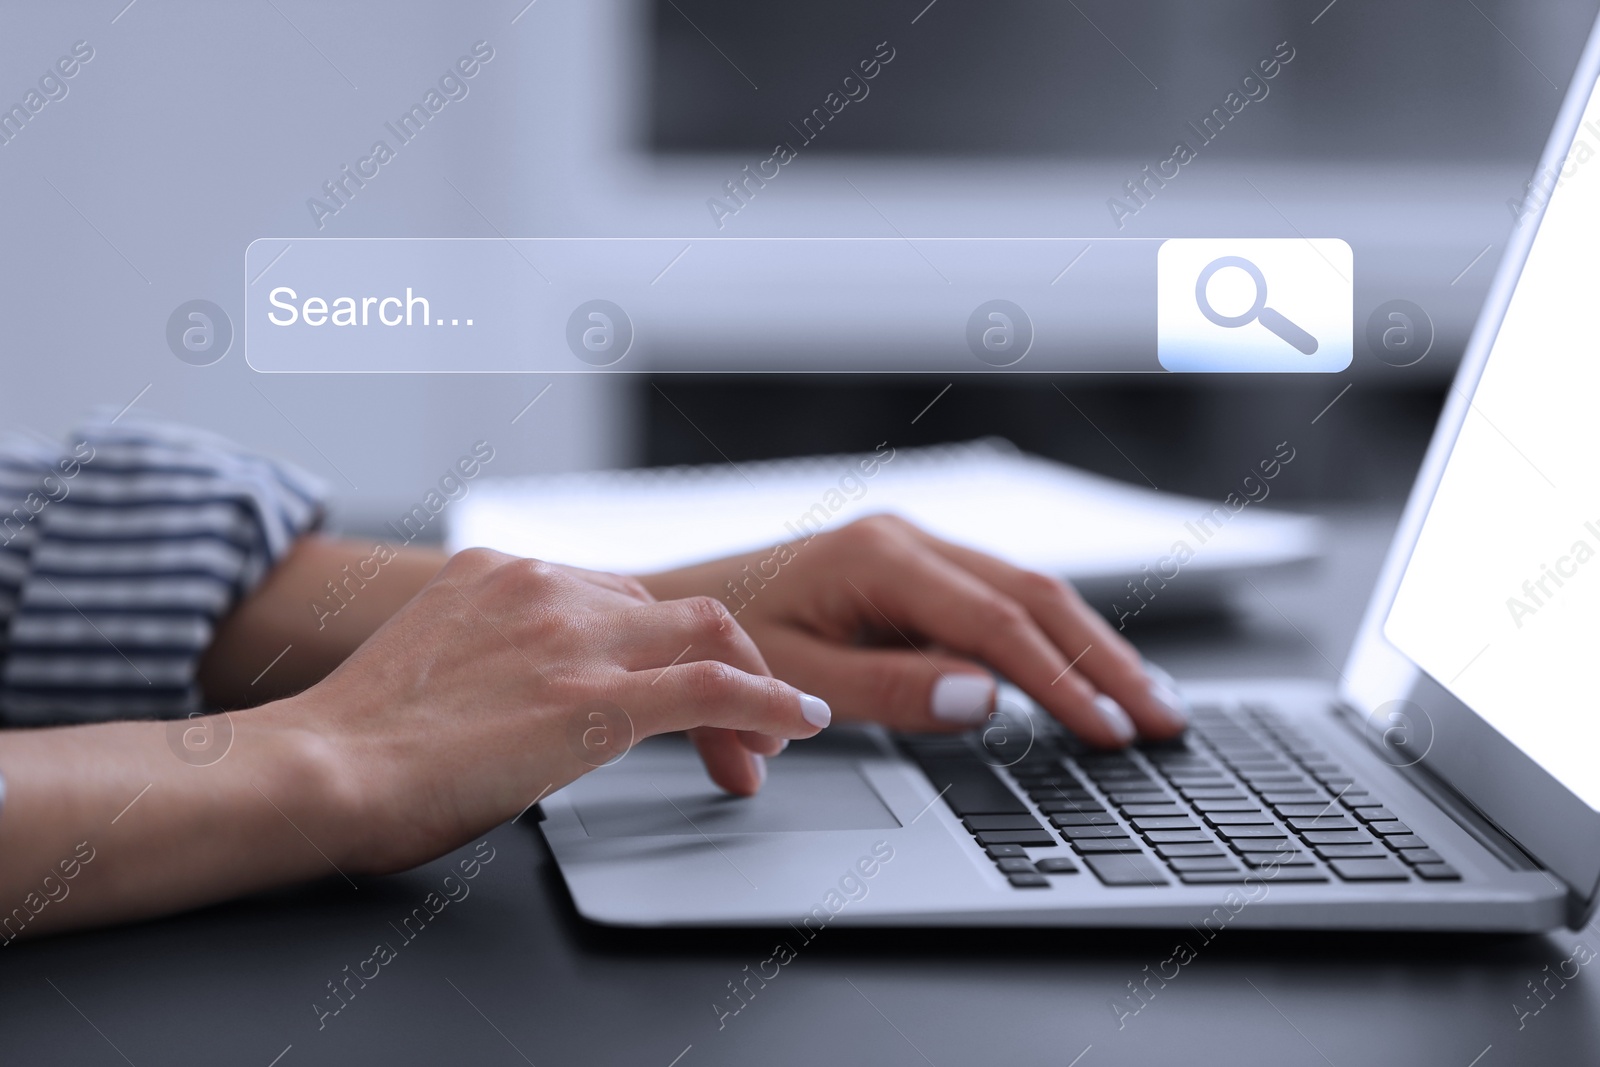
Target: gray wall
{"points": [[198, 127]]}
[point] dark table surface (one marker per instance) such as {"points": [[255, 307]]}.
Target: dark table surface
{"points": [[510, 975]]}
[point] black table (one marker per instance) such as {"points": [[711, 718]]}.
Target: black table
{"points": [[509, 974]]}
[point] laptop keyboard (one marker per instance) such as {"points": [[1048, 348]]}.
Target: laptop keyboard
{"points": [[1241, 793]]}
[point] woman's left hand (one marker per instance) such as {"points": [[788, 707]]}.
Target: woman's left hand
{"points": [[890, 624]]}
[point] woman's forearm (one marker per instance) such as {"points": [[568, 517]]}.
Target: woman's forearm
{"points": [[121, 821], [326, 598], [475, 700]]}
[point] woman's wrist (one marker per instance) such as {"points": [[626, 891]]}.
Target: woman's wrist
{"points": [[318, 777], [236, 803], [322, 601], [702, 579]]}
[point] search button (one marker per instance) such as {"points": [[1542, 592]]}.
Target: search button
{"points": [[1259, 312], [1216, 311]]}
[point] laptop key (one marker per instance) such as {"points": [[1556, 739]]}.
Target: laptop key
{"points": [[1129, 783], [1000, 852], [1293, 874], [1015, 865], [1081, 796], [1202, 863], [1103, 818], [1032, 880], [1278, 784], [1375, 814], [1056, 792], [1212, 792], [1276, 859], [1315, 823], [1035, 838], [1352, 852], [1389, 828], [1074, 833], [1308, 811], [1336, 837], [1236, 832], [1226, 805], [1153, 810], [1352, 799], [1057, 865], [971, 788], [1421, 855], [1233, 877], [1047, 781], [1154, 795], [1404, 841], [1001, 822], [1301, 797], [1184, 850], [1061, 805], [1265, 768], [1437, 872], [1165, 824], [1107, 844], [1177, 837], [1126, 870], [1384, 870], [1239, 818], [1261, 843]]}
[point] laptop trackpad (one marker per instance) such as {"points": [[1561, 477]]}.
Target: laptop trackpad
{"points": [[800, 794]]}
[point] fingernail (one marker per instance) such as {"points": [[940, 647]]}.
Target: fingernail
{"points": [[761, 768], [783, 743], [1164, 692], [815, 710], [1170, 702], [1112, 714], [962, 697]]}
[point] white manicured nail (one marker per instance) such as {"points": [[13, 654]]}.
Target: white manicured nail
{"points": [[1113, 715], [815, 710], [1164, 691], [783, 743], [1170, 702], [761, 767], [962, 697]]}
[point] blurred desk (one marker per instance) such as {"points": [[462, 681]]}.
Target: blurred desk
{"points": [[1324, 599], [509, 975]]}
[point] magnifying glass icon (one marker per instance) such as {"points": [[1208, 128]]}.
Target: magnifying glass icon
{"points": [[1258, 311]]}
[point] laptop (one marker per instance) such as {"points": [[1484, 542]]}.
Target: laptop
{"points": [[1450, 779]]}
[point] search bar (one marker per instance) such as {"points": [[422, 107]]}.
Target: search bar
{"points": [[621, 305]]}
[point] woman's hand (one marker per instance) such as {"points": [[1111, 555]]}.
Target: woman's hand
{"points": [[890, 624], [502, 680], [507, 678]]}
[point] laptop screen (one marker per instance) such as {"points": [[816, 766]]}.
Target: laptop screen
{"points": [[1500, 601]]}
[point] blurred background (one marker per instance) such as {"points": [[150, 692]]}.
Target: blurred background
{"points": [[1408, 130]]}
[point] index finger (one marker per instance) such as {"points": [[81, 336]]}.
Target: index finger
{"points": [[937, 597], [1104, 656]]}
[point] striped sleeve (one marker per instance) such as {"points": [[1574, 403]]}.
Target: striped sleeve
{"points": [[120, 554]]}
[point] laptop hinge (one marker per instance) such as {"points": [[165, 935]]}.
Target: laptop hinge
{"points": [[1579, 907]]}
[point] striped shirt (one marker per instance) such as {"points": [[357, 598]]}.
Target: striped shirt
{"points": [[119, 556]]}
